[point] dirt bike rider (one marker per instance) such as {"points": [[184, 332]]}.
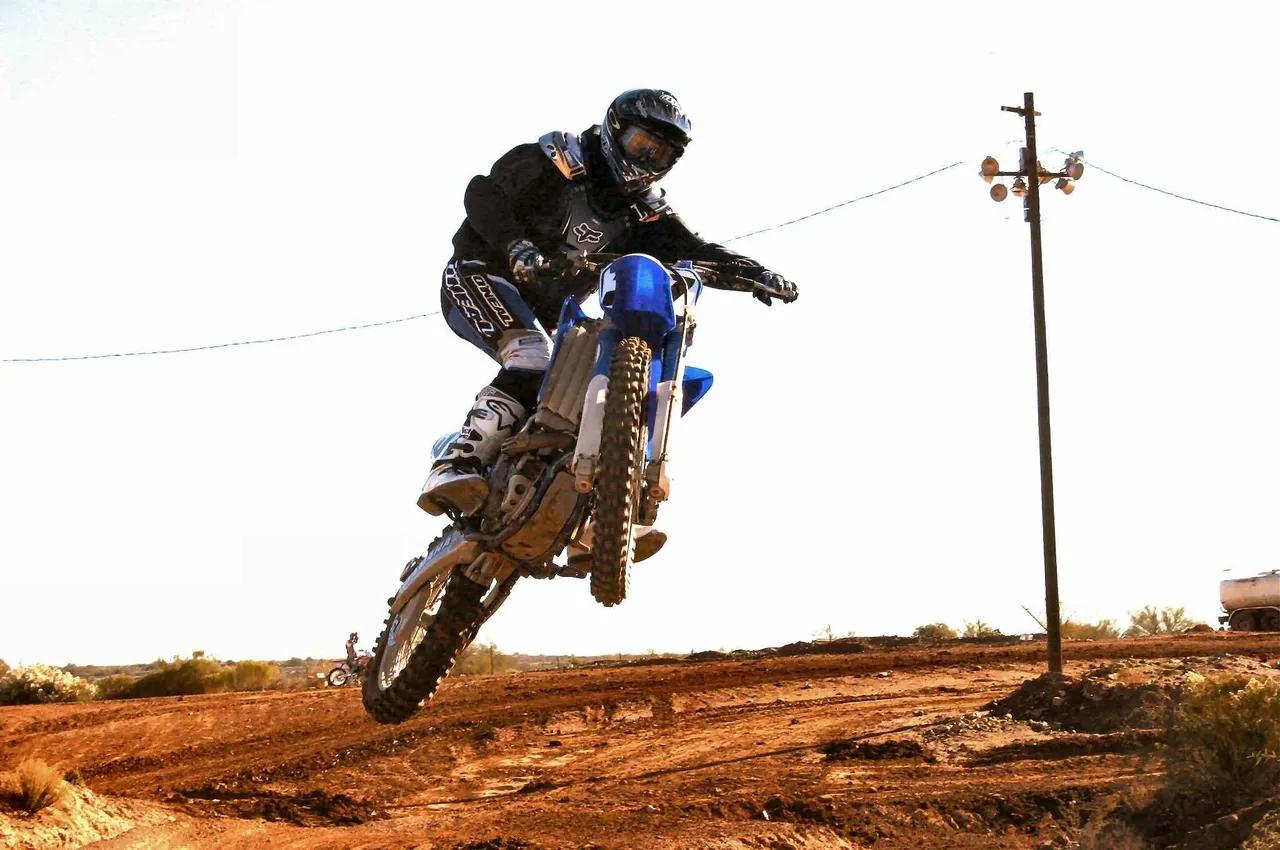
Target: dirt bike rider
{"points": [[567, 193], [351, 649]]}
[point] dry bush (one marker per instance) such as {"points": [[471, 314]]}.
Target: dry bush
{"points": [[180, 677], [4, 668], [1224, 742], [115, 687], [248, 676], [1167, 620], [1110, 834], [934, 631], [202, 675], [1101, 630], [42, 786], [980, 629], [1266, 834], [40, 683], [481, 658]]}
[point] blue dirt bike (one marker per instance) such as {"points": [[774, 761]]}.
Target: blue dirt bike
{"points": [[585, 474]]}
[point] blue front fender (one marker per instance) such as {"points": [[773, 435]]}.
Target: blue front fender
{"points": [[635, 292]]}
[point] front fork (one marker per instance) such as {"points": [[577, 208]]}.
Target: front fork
{"points": [[665, 402], [668, 402]]}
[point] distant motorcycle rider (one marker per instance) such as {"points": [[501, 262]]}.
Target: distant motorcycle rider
{"points": [[566, 194], [351, 648]]}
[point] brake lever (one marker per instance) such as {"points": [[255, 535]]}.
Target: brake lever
{"points": [[785, 297]]}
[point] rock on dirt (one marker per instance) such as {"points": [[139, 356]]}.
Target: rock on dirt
{"points": [[891, 750], [974, 721]]}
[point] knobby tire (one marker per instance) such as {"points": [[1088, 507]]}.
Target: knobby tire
{"points": [[620, 477], [449, 633]]}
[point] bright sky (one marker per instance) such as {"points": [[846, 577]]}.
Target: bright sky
{"points": [[179, 174]]}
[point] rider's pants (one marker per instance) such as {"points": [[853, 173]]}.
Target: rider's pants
{"points": [[488, 311]]}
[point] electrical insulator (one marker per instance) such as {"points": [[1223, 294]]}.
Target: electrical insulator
{"points": [[989, 168]]}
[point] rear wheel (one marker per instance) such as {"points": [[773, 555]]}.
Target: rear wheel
{"points": [[419, 645], [619, 482]]}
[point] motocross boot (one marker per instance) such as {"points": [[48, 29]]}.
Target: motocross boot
{"points": [[648, 540], [457, 480]]}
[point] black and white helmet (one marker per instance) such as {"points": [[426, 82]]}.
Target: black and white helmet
{"points": [[644, 132]]}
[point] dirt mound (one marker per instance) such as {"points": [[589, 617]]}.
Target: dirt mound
{"points": [[1091, 704], [80, 818], [892, 750]]}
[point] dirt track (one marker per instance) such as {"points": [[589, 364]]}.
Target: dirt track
{"points": [[675, 755]]}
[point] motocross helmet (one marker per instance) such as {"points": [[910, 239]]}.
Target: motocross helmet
{"points": [[644, 132], [354, 636]]}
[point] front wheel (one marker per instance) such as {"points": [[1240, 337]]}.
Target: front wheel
{"points": [[619, 481], [419, 645], [337, 677]]}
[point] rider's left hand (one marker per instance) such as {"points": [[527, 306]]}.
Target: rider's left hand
{"points": [[770, 285]]}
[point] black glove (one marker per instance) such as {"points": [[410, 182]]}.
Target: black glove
{"points": [[525, 261], [772, 285]]}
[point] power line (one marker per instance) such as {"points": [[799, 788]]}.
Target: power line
{"points": [[437, 312], [1093, 164], [846, 203], [220, 344]]}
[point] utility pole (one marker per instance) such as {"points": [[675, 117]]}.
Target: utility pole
{"points": [[1030, 176]]}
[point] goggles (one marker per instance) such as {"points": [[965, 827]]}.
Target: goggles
{"points": [[645, 147]]}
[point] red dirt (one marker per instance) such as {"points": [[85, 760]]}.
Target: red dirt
{"points": [[710, 754]]}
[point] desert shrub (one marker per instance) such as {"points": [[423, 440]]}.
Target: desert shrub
{"points": [[477, 658], [40, 683], [1101, 630], [1266, 834], [41, 785], [248, 676], [115, 687], [1224, 742], [934, 631], [180, 677], [4, 668], [1110, 834], [979, 629], [1163, 621]]}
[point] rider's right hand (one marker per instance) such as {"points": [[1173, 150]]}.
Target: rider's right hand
{"points": [[525, 261]]}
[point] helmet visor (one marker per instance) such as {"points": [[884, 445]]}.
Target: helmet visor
{"points": [[642, 146]]}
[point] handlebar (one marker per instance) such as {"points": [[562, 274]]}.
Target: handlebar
{"points": [[725, 276]]}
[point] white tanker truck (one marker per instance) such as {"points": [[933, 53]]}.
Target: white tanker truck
{"points": [[1251, 604]]}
